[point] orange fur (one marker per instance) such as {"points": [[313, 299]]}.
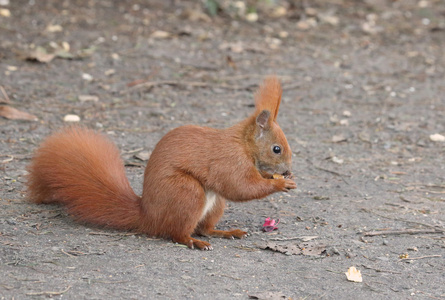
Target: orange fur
{"points": [[268, 96], [189, 176]]}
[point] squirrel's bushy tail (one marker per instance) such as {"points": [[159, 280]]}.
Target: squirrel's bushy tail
{"points": [[83, 170]]}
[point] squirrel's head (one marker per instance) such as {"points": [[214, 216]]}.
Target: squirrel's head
{"points": [[273, 154]]}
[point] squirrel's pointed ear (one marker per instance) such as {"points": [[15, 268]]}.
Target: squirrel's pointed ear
{"points": [[268, 96], [262, 120]]}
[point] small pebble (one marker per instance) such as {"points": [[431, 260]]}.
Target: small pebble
{"points": [[71, 118]]}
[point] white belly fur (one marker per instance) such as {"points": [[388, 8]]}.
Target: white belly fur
{"points": [[210, 203]]}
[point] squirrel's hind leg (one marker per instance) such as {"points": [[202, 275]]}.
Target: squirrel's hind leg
{"points": [[180, 223], [207, 226]]}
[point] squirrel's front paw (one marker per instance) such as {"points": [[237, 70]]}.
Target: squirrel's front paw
{"points": [[284, 185], [290, 184]]}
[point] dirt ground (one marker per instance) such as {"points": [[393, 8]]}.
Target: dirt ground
{"points": [[363, 109]]}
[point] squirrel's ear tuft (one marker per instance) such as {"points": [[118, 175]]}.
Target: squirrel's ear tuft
{"points": [[268, 97]]}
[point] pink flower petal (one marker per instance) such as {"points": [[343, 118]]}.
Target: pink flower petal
{"points": [[269, 225]]}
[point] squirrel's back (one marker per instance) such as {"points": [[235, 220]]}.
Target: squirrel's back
{"points": [[83, 170]]}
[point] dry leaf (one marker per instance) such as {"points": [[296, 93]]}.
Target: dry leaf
{"points": [[312, 248], [143, 155], [288, 248], [11, 113], [62, 53], [354, 275], [40, 55]]}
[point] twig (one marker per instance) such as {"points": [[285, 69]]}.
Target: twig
{"points": [[380, 270], [228, 276], [111, 282], [66, 253], [49, 293], [420, 257], [192, 84], [329, 171], [5, 98], [9, 159], [303, 238], [246, 248], [402, 231], [337, 272], [149, 77], [432, 297], [398, 219], [111, 234]]}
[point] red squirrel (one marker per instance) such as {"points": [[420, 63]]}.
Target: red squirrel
{"points": [[191, 172]]}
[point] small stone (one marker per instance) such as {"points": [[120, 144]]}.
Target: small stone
{"points": [[71, 118], [85, 98], [310, 11], [279, 12], [252, 17], [344, 122], [160, 34], [110, 72], [54, 28], [307, 24], [329, 19], [437, 137], [337, 160], [283, 34], [87, 77], [5, 12], [338, 138]]}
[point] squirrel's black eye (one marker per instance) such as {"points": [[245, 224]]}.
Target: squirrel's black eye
{"points": [[276, 149]]}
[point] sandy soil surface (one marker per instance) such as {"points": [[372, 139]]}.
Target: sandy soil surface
{"points": [[363, 109]]}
